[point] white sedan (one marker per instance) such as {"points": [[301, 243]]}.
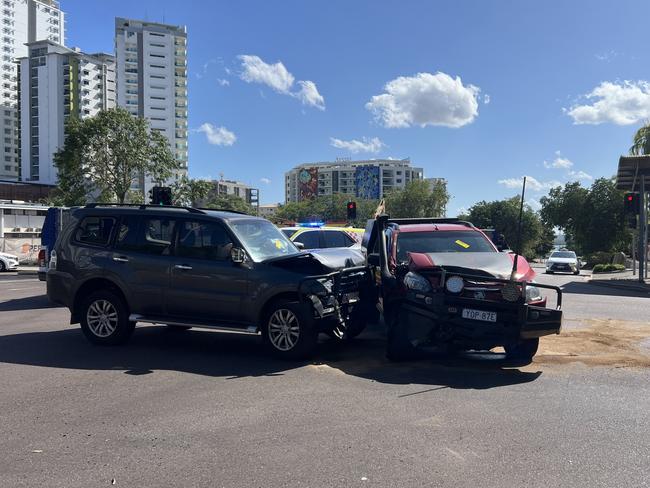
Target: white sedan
{"points": [[563, 261], [8, 262]]}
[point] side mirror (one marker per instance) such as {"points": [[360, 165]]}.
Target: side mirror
{"points": [[299, 245], [374, 260], [237, 255]]}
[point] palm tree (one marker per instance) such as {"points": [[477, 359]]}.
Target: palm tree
{"points": [[641, 141]]}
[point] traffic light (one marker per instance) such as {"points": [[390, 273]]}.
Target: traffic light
{"points": [[631, 203], [161, 195], [352, 211]]}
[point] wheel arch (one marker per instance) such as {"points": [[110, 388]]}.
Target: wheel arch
{"points": [[90, 286], [292, 296]]}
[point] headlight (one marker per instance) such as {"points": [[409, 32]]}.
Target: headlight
{"points": [[454, 284], [533, 294], [414, 281]]}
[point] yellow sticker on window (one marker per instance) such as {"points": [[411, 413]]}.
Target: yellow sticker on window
{"points": [[462, 244]]}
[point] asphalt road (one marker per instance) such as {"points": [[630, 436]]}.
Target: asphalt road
{"points": [[200, 408]]}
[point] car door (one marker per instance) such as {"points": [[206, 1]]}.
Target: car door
{"points": [[206, 286], [142, 259]]}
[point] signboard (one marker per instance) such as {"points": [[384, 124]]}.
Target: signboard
{"points": [[366, 179], [307, 183]]}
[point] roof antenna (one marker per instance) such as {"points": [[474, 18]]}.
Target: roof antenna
{"points": [[518, 251]]}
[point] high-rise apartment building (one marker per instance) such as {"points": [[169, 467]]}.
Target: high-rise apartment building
{"points": [[367, 179], [23, 21], [57, 83], [152, 80]]}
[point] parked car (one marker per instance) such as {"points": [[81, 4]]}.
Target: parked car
{"points": [[318, 237], [563, 261], [8, 262], [443, 284], [114, 266]]}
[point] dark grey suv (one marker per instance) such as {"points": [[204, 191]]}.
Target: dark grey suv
{"points": [[114, 266]]}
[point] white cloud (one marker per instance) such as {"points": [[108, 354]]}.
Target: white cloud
{"points": [[219, 136], [559, 162], [606, 56], [277, 77], [373, 145], [486, 99], [223, 82], [425, 99], [532, 184], [308, 95], [266, 181], [580, 175], [621, 103]]}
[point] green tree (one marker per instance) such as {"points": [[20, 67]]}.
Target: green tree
{"points": [[418, 199], [641, 144], [72, 187], [189, 192], [230, 202], [591, 218], [112, 151], [503, 217]]}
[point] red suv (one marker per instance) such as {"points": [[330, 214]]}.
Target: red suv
{"points": [[444, 284]]}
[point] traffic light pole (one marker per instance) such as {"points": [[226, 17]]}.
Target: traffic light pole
{"points": [[643, 223]]}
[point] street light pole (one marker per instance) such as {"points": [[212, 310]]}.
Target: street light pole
{"points": [[642, 231]]}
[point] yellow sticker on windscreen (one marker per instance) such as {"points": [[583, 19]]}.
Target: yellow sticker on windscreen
{"points": [[462, 244]]}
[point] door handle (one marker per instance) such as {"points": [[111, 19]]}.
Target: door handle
{"points": [[182, 266], [121, 259]]}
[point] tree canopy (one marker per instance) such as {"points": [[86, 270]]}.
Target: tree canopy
{"points": [[591, 218], [641, 142], [189, 192], [503, 217], [108, 153]]}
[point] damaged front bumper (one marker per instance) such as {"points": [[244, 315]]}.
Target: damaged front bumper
{"points": [[440, 317], [335, 296]]}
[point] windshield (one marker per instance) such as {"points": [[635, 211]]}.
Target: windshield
{"points": [[563, 254], [262, 239], [441, 241]]}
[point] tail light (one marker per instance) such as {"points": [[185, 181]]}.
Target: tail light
{"points": [[42, 258]]}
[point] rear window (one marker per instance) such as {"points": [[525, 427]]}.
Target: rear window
{"points": [[441, 241], [95, 230], [288, 232]]}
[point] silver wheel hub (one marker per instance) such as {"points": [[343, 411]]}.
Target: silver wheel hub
{"points": [[284, 329], [102, 318]]}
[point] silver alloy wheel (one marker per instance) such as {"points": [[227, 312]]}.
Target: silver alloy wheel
{"points": [[284, 329], [102, 318]]}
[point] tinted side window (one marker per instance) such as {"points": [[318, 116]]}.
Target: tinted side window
{"points": [[310, 239], [203, 240], [95, 230], [157, 235], [336, 239], [128, 237]]}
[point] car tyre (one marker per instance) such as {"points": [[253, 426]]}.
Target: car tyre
{"points": [[576, 272], [105, 319], [549, 272], [288, 330], [524, 350], [2, 267]]}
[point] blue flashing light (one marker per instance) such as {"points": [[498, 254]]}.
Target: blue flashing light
{"points": [[311, 224]]}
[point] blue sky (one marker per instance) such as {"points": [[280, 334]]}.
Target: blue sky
{"points": [[480, 93]]}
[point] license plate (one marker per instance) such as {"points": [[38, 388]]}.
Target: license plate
{"points": [[471, 314]]}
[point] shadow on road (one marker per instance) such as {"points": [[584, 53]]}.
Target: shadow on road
{"points": [[587, 288], [27, 303], [235, 356]]}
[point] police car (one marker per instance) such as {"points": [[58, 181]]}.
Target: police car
{"points": [[314, 235]]}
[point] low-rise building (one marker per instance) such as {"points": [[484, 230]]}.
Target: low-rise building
{"points": [[363, 179]]}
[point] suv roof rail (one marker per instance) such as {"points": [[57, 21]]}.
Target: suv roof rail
{"points": [[143, 206], [225, 210], [432, 220]]}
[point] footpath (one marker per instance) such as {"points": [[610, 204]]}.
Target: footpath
{"points": [[624, 280]]}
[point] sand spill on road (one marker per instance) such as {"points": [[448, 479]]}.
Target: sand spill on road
{"points": [[598, 342]]}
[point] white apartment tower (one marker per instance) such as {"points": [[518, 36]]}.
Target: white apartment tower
{"points": [[152, 80], [22, 21], [57, 83]]}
